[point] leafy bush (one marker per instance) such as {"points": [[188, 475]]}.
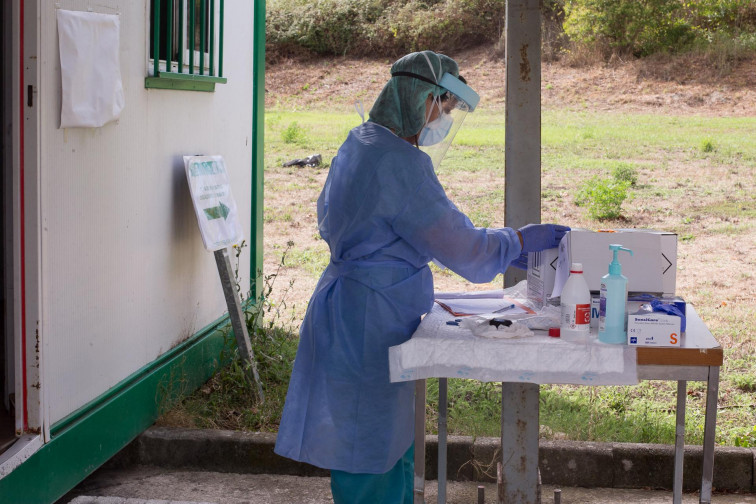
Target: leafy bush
{"points": [[394, 27], [603, 197], [723, 15], [370, 27], [628, 26], [626, 173]]}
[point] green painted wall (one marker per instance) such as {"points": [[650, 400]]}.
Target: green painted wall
{"points": [[86, 439]]}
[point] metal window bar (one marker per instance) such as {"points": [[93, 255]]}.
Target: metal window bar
{"points": [[203, 27], [220, 41], [183, 32], [191, 36], [169, 35], [156, 39], [181, 36], [212, 37]]}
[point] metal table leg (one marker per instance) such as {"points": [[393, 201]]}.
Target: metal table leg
{"points": [[442, 410], [710, 424], [677, 484], [419, 483]]}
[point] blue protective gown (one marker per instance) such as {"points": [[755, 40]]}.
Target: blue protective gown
{"points": [[384, 216]]}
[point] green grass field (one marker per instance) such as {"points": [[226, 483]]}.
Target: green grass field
{"points": [[693, 175]]}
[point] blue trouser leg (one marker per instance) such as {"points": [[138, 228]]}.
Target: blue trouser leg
{"points": [[392, 487]]}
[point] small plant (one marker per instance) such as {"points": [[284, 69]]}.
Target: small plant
{"points": [[707, 145], [603, 197], [625, 173], [747, 440], [745, 382], [229, 399], [293, 134]]}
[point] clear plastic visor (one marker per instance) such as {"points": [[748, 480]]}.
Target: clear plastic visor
{"points": [[457, 110]]}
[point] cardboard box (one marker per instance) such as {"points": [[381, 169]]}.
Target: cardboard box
{"points": [[541, 274], [652, 267], [647, 328]]}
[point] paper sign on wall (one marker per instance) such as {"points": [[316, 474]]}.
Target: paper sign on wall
{"points": [[92, 93], [214, 204]]}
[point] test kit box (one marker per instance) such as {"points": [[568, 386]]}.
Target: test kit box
{"points": [[651, 268], [653, 329], [541, 273], [595, 311]]}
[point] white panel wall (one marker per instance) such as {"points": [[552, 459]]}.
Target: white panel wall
{"points": [[124, 274]]}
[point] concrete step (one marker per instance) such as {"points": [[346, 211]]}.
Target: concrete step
{"points": [[569, 463]]}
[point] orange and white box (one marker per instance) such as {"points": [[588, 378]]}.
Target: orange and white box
{"points": [[653, 329]]}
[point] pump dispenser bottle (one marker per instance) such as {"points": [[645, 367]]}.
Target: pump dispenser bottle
{"points": [[613, 303]]}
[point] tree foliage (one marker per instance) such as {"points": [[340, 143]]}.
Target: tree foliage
{"points": [[394, 27]]}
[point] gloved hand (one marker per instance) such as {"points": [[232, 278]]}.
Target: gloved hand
{"points": [[537, 237], [521, 262]]}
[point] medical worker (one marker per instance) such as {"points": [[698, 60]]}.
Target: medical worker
{"points": [[385, 216]]}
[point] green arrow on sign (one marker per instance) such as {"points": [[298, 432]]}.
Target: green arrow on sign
{"points": [[216, 212]]}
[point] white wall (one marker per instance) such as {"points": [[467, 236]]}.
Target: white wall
{"points": [[124, 274]]}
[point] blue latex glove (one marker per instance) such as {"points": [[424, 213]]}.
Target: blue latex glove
{"points": [[521, 262], [537, 237]]}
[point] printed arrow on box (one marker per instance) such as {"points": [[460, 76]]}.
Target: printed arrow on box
{"points": [[216, 212]]}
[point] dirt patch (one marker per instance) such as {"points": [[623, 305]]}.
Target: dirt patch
{"points": [[683, 85]]}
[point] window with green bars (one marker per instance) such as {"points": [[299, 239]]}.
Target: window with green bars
{"points": [[186, 44]]}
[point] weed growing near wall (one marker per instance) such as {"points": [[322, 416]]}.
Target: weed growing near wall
{"points": [[228, 400]]}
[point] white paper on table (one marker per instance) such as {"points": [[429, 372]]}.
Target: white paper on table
{"points": [[92, 92]]}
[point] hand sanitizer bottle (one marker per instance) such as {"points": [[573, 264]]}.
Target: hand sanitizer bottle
{"points": [[576, 307], [613, 303]]}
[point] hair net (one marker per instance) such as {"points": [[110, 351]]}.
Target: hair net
{"points": [[401, 105]]}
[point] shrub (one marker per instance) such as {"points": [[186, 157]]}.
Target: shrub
{"points": [[394, 27], [370, 27], [603, 197], [628, 26], [625, 173]]}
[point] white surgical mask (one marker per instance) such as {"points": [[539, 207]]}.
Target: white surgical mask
{"points": [[436, 130]]}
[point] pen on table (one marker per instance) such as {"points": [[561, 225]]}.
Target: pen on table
{"points": [[504, 309]]}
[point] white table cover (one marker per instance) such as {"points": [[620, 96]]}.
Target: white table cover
{"points": [[440, 350]]}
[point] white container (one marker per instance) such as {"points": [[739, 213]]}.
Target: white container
{"points": [[541, 275], [576, 307], [652, 268]]}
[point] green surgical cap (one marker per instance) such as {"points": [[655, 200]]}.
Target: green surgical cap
{"points": [[401, 105]]}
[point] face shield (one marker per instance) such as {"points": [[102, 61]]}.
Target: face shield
{"points": [[445, 117]]}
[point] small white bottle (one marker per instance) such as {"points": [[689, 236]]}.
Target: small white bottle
{"points": [[575, 323]]}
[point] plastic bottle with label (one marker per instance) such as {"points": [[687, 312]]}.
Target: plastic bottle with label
{"points": [[576, 307], [613, 303]]}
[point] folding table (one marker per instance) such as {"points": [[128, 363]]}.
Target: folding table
{"points": [[697, 359]]}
